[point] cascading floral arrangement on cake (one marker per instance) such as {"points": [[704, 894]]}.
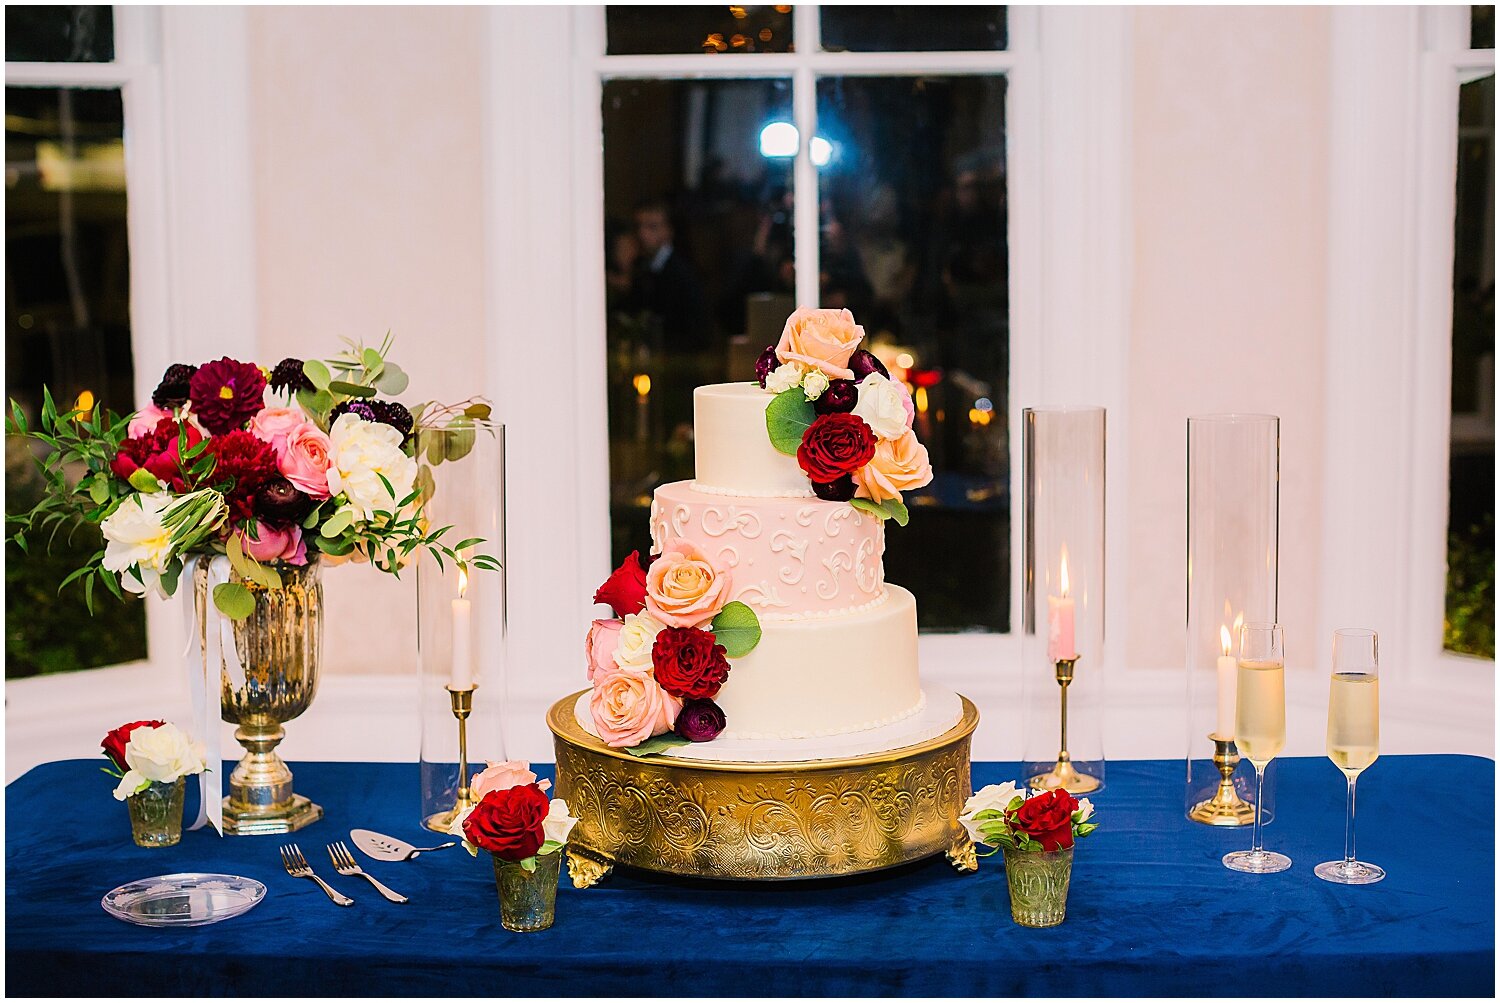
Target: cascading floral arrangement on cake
{"points": [[762, 614]]}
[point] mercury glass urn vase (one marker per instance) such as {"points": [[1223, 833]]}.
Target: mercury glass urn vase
{"points": [[268, 670], [156, 813], [528, 899], [1038, 886]]}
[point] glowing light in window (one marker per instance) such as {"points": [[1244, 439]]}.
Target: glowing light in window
{"points": [[778, 139]]}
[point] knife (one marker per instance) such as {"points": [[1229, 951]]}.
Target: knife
{"points": [[382, 847]]}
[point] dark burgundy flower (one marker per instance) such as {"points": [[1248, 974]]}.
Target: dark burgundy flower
{"points": [[277, 503], [839, 398], [864, 363], [244, 463], [172, 391], [385, 412], [835, 445], [508, 823], [689, 663], [840, 490], [625, 589], [765, 365], [158, 453], [700, 721], [288, 377], [226, 394], [114, 743]]}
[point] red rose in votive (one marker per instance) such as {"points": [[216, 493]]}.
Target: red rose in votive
{"points": [[508, 823], [625, 589], [114, 743], [689, 663], [835, 445], [1048, 819]]}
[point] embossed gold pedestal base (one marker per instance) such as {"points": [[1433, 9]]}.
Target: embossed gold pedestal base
{"points": [[761, 821]]}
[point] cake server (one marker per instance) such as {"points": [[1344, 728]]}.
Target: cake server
{"points": [[383, 847]]}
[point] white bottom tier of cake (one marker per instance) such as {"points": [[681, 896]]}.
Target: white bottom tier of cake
{"points": [[940, 711]]}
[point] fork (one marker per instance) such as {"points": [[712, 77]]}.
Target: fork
{"points": [[297, 866], [345, 864]]}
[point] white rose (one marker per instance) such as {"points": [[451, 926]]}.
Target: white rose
{"points": [[363, 452], [158, 755], [558, 823], [135, 537], [996, 797], [1085, 809], [882, 404], [637, 636], [456, 828], [813, 384], [785, 376]]}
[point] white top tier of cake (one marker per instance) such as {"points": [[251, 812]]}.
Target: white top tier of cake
{"points": [[732, 453]]}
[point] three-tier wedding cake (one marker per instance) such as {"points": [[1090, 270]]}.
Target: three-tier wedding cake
{"points": [[761, 628]]}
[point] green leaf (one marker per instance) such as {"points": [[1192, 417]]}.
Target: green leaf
{"points": [[550, 846], [660, 743], [897, 509], [234, 600], [865, 505], [460, 438], [737, 628], [788, 416], [99, 490], [337, 523], [318, 402], [392, 380], [317, 374], [351, 389], [371, 358], [529, 864], [144, 480], [479, 412]]}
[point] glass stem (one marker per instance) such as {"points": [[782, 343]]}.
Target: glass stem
{"points": [[1349, 825], [1260, 783]]}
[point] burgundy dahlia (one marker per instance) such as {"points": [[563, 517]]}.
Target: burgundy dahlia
{"points": [[172, 391], [839, 490], [158, 453], [864, 363], [226, 394], [839, 398], [765, 365], [278, 504], [700, 721], [689, 663], [246, 463], [288, 377]]}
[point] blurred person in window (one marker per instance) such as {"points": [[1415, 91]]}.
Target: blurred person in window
{"points": [[764, 265], [666, 283], [621, 251]]}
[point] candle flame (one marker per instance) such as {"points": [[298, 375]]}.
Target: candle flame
{"points": [[1064, 575], [1224, 638], [463, 581], [642, 384]]}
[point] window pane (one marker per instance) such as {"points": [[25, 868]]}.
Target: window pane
{"points": [[59, 34], [912, 29], [698, 252], [913, 240], [67, 275], [1482, 26], [632, 31], [1470, 620]]}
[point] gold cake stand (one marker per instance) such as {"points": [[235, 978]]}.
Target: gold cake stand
{"points": [[761, 821]]}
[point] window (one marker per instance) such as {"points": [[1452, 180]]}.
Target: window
{"points": [[843, 157]]}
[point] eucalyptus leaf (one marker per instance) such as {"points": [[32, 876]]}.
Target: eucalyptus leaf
{"points": [[392, 380], [788, 417], [234, 600], [371, 358], [737, 628], [659, 743], [479, 411], [336, 524], [317, 374], [144, 480], [459, 440], [351, 389]]}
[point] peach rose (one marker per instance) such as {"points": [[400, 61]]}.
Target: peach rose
{"points": [[273, 424], [683, 588], [504, 776], [629, 708], [603, 636], [145, 421], [821, 339], [898, 465], [305, 459]]}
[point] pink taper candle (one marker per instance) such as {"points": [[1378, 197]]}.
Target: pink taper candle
{"points": [[1060, 621]]}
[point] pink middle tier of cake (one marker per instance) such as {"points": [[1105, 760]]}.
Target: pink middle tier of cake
{"points": [[789, 558]]}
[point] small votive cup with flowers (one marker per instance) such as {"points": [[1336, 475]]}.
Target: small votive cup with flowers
{"points": [[1036, 832], [524, 833], [152, 760]]}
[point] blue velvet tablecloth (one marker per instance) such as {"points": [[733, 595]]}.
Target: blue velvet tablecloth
{"points": [[1151, 910]]}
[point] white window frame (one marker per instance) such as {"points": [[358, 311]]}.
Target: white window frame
{"points": [[1067, 117], [1395, 75]]}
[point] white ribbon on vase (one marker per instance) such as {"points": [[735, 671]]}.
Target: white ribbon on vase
{"points": [[210, 651]]}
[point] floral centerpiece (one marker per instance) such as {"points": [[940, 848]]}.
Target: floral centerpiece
{"points": [[524, 832], [656, 666], [1037, 833], [838, 411], [152, 760]]}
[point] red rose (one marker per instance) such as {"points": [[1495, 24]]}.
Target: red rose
{"points": [[1047, 818], [688, 663], [226, 394], [114, 743], [625, 590], [835, 445], [248, 462], [157, 453], [508, 823]]}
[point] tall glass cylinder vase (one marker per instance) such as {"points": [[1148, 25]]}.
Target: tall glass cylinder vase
{"points": [[461, 612], [1233, 505], [1063, 605]]}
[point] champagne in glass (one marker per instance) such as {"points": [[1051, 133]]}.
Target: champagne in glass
{"points": [[1260, 729], [1353, 736]]}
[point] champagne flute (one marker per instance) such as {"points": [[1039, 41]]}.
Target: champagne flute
{"points": [[1260, 729], [1353, 736]]}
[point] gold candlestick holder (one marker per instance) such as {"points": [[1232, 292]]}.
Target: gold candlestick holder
{"points": [[1226, 807], [1063, 774], [462, 702]]}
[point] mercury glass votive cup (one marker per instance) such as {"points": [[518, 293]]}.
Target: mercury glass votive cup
{"points": [[1038, 886], [528, 899], [156, 813]]}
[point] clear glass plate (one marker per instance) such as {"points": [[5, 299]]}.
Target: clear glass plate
{"points": [[183, 899]]}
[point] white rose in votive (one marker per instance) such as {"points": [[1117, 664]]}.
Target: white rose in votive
{"points": [[158, 755], [882, 404], [363, 452], [558, 823], [1085, 809], [456, 828], [785, 376], [637, 636], [134, 536], [813, 384], [996, 797]]}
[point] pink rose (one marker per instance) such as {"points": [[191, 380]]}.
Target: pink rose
{"points": [[907, 403], [273, 424], [629, 708], [275, 544], [683, 588], [898, 465], [504, 776], [603, 636], [305, 459], [821, 339], [145, 421]]}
